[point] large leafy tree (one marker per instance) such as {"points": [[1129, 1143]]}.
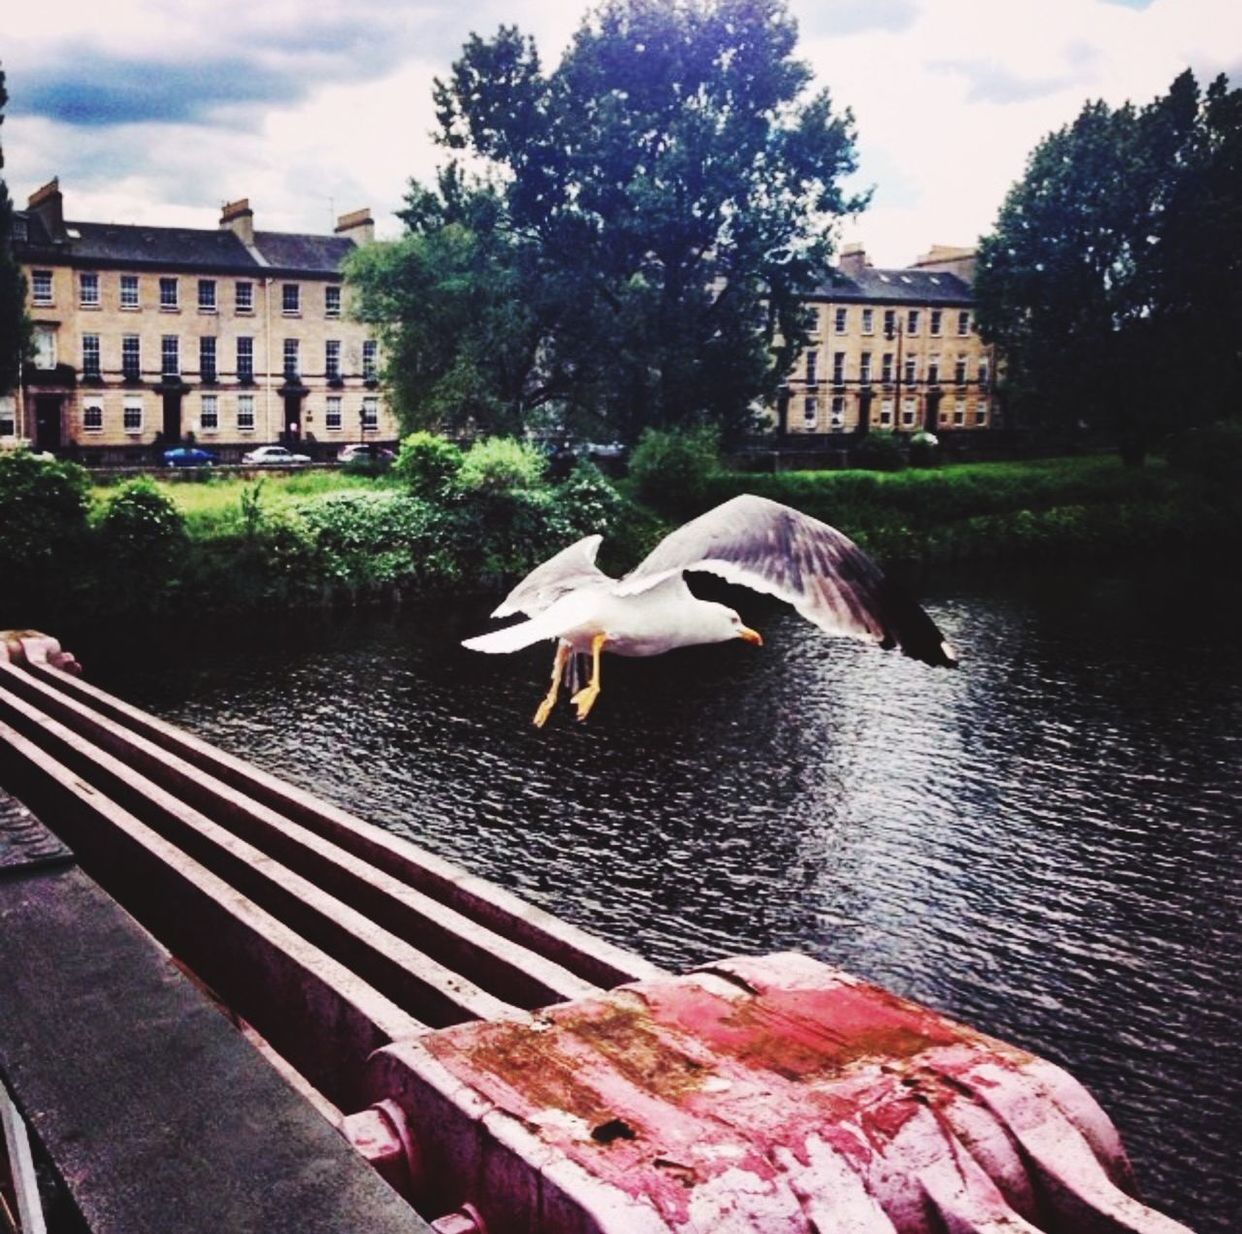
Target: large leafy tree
{"points": [[652, 210], [1111, 280], [14, 326]]}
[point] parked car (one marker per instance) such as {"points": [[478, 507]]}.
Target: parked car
{"points": [[273, 456], [189, 456], [369, 451]]}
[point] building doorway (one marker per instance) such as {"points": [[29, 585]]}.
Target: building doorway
{"points": [[932, 420], [291, 434], [47, 422], [864, 412], [172, 418]]}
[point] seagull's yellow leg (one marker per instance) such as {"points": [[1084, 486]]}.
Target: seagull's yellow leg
{"points": [[549, 701], [584, 700]]}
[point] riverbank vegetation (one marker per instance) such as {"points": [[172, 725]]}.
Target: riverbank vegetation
{"points": [[451, 520]]}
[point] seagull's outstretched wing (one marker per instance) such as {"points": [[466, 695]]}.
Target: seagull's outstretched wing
{"points": [[771, 548], [571, 569]]}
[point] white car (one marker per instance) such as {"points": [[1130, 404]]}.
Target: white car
{"points": [[274, 456]]}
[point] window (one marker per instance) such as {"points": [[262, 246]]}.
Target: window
{"points": [[838, 411], [933, 369], [332, 417], [168, 293], [245, 358], [959, 370], [290, 299], [170, 355], [812, 325], [206, 295], [207, 358], [332, 359], [886, 366], [963, 322], [45, 347], [131, 357], [131, 415], [959, 411], [88, 290], [291, 359], [41, 286], [92, 417], [90, 355], [981, 411], [907, 411], [812, 362], [864, 367], [370, 356], [912, 369], [838, 367], [243, 297], [886, 411], [934, 324], [983, 370], [8, 416], [245, 413], [332, 301], [868, 321], [912, 321], [840, 320], [810, 409], [209, 414], [370, 413], [129, 291], [890, 322]]}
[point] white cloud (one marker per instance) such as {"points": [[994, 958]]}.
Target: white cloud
{"points": [[949, 98]]}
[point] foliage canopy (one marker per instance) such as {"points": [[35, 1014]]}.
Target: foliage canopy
{"points": [[641, 224]]}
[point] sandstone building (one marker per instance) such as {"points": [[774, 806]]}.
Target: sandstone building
{"points": [[147, 336], [893, 349]]}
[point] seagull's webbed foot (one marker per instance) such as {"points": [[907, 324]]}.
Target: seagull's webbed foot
{"points": [[544, 709], [584, 700]]}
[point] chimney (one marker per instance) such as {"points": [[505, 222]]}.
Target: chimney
{"points": [[950, 258], [357, 225], [238, 217], [853, 260], [48, 206]]}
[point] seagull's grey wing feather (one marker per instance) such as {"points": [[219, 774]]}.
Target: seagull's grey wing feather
{"points": [[774, 549], [570, 569]]}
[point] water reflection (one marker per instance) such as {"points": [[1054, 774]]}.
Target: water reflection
{"points": [[1044, 843]]}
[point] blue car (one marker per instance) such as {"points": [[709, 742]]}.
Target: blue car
{"points": [[189, 456]]}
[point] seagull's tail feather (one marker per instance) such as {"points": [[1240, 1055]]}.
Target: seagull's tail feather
{"points": [[515, 637]]}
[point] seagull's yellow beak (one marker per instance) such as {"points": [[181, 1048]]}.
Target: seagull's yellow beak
{"points": [[751, 636]]}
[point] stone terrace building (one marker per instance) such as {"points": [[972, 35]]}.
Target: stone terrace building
{"points": [[146, 336], [893, 349]]}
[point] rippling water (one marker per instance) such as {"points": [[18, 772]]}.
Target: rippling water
{"points": [[1044, 844]]}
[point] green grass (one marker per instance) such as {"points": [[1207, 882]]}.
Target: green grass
{"points": [[213, 505]]}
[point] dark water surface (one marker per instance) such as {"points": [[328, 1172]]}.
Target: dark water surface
{"points": [[1044, 844]]}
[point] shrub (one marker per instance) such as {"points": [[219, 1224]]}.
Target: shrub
{"points": [[43, 507], [1214, 451], [672, 470], [924, 449], [588, 502], [427, 464], [879, 451], [142, 540], [501, 465]]}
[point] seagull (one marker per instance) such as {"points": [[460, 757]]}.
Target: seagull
{"points": [[758, 543]]}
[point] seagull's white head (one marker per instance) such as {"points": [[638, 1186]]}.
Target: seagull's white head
{"points": [[720, 624]]}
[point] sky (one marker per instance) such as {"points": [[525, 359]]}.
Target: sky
{"points": [[157, 111]]}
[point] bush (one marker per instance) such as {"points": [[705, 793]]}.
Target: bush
{"points": [[672, 471], [879, 451], [1214, 451], [501, 465], [588, 502], [43, 507], [142, 540], [427, 465]]}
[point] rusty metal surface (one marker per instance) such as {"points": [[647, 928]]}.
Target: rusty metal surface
{"points": [[773, 1095], [25, 843]]}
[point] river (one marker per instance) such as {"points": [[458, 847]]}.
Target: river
{"points": [[1044, 843]]}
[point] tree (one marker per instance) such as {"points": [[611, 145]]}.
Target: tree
{"points": [[14, 324], [1111, 280], [651, 211]]}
